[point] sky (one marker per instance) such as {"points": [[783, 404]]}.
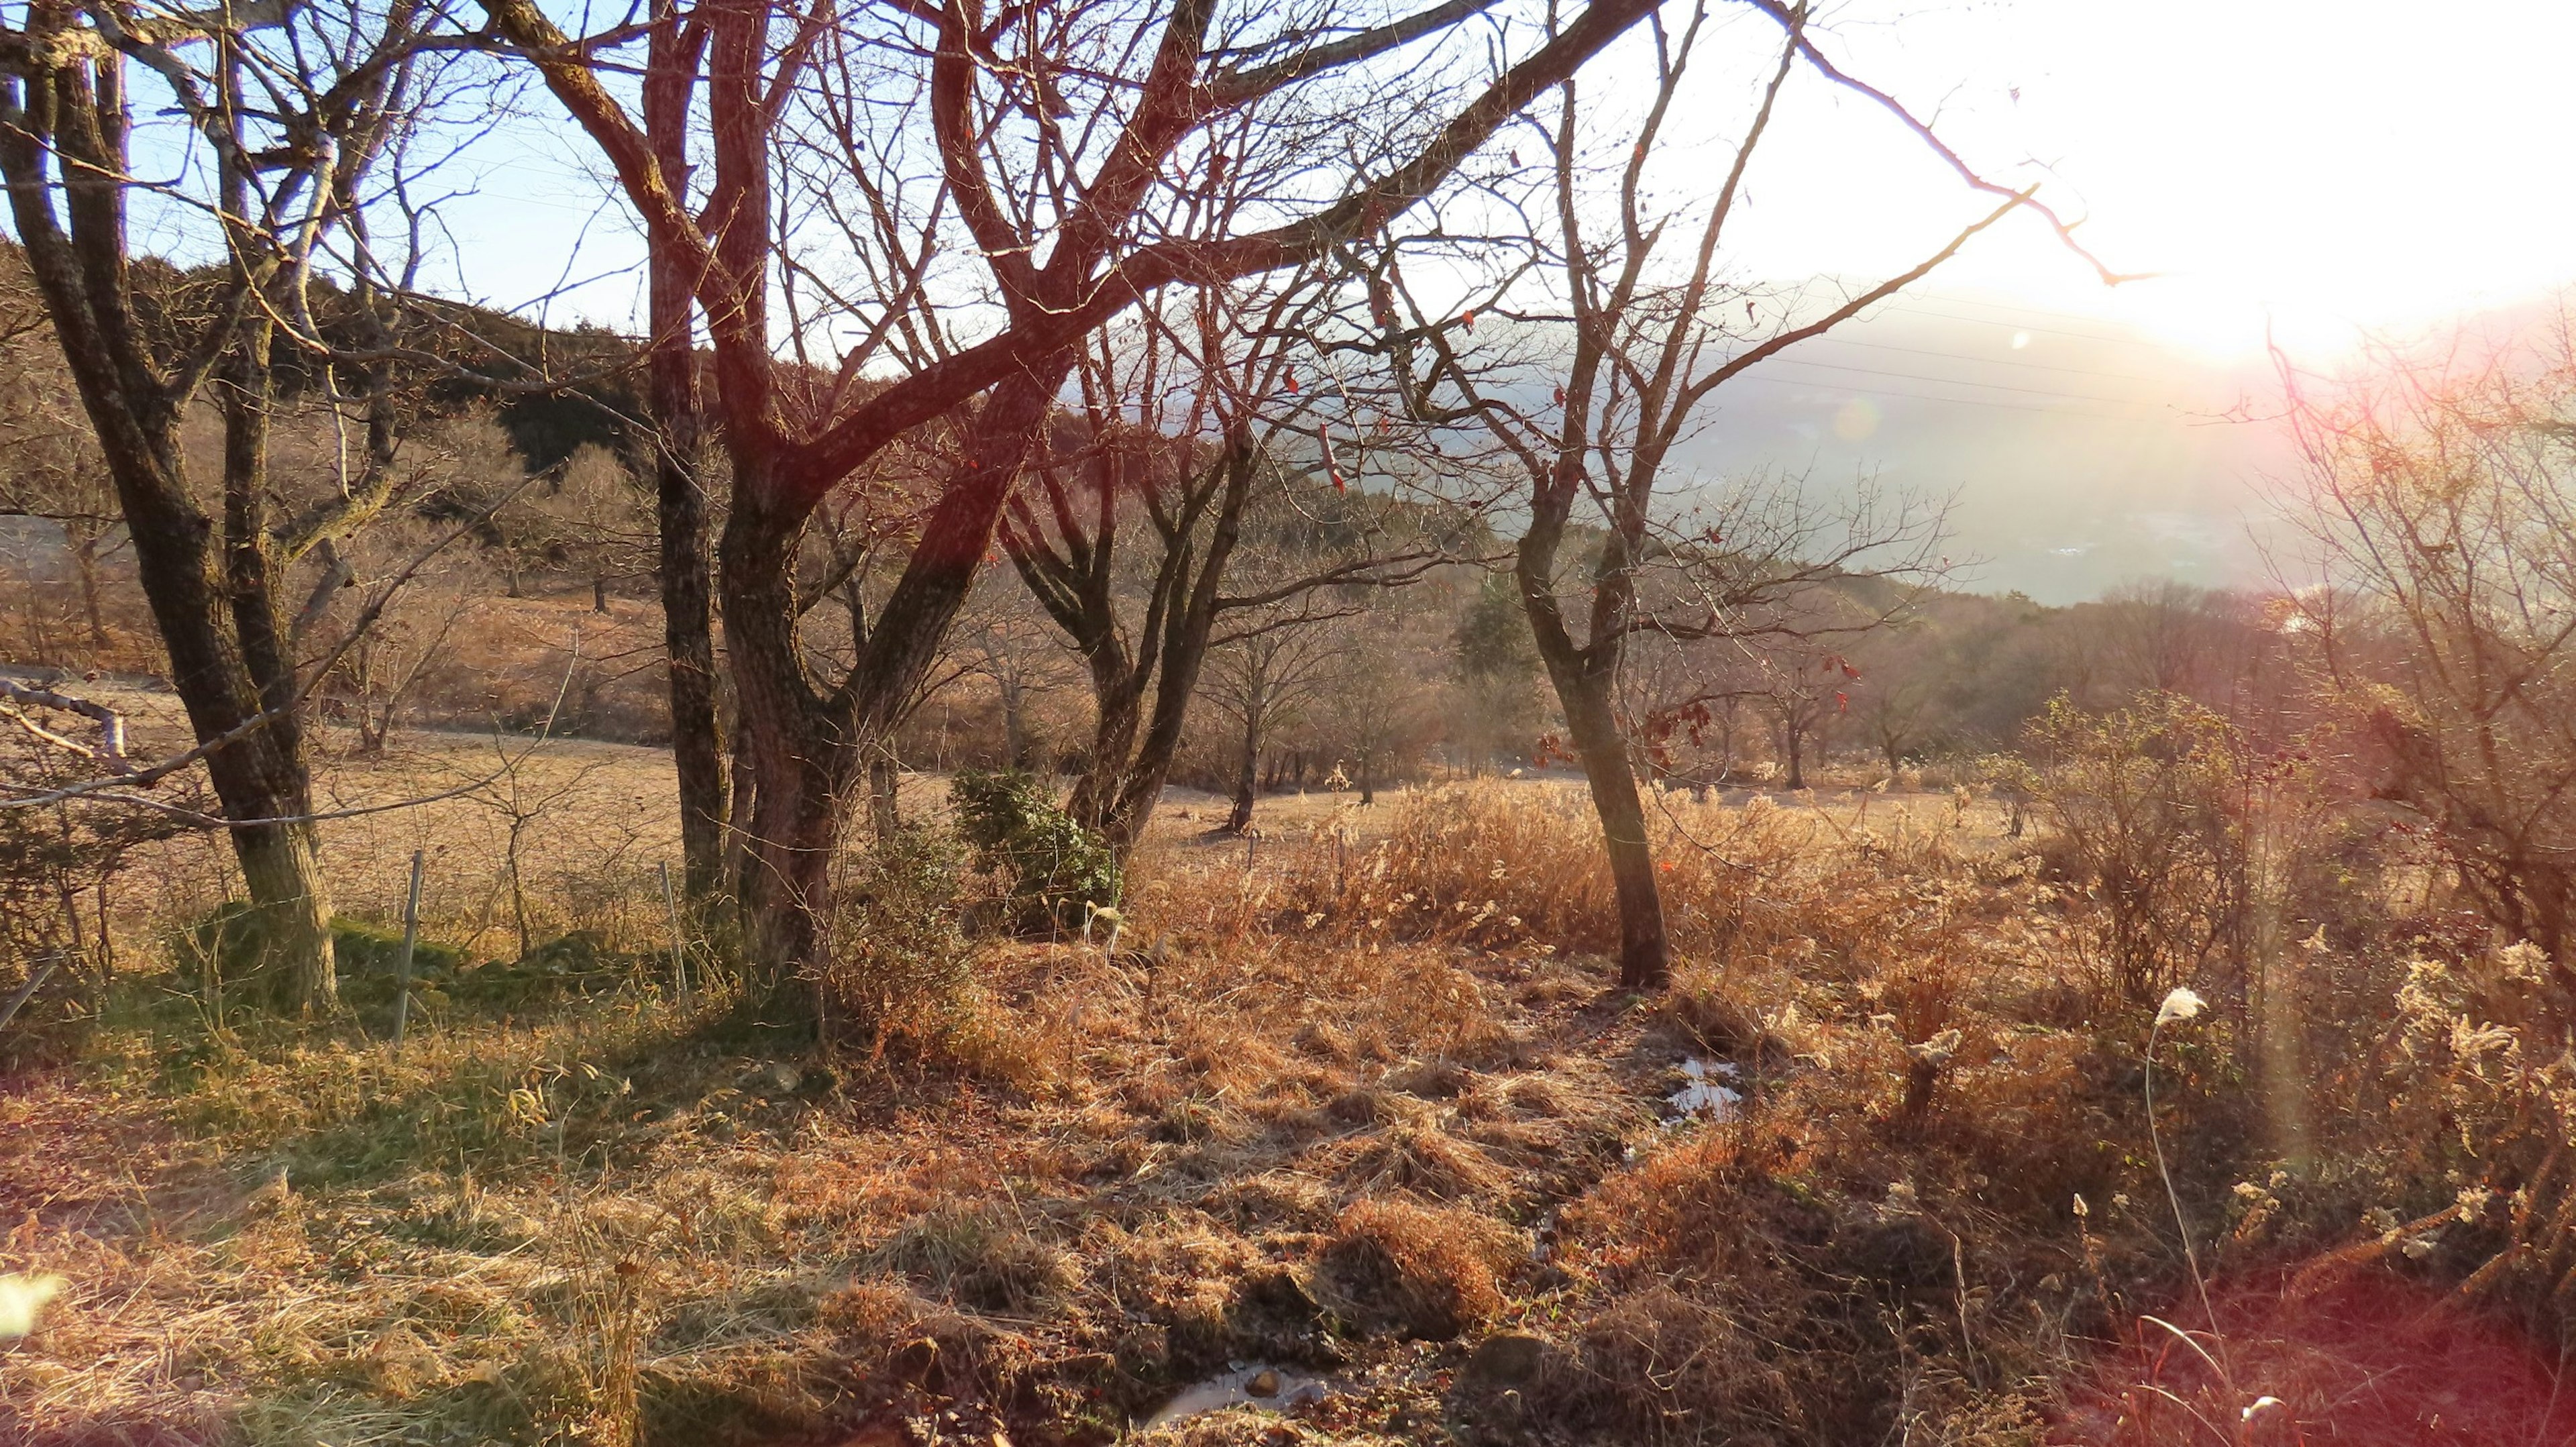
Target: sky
{"points": [[2305, 171], [2312, 166]]}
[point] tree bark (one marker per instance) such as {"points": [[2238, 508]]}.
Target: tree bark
{"points": [[1246, 778], [84, 549], [679, 455], [1645, 953], [884, 785], [800, 748], [804, 746]]}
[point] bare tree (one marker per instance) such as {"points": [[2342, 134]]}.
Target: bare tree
{"points": [[1896, 705], [52, 469], [2441, 499], [1496, 669], [1048, 130], [288, 114], [1646, 344], [1266, 673], [1381, 698], [1168, 499], [1006, 640], [593, 518]]}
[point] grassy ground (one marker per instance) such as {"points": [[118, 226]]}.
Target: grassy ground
{"points": [[1363, 1106]]}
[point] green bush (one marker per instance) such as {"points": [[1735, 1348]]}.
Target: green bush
{"points": [[1052, 866], [900, 964]]}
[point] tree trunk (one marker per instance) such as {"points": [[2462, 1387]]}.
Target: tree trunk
{"points": [[284, 878], [84, 548], [279, 864], [1645, 954], [688, 643], [680, 502], [260, 776], [1582, 678], [1797, 755], [801, 750], [1118, 704], [744, 793], [884, 782], [599, 592], [1015, 726], [803, 746], [1246, 777]]}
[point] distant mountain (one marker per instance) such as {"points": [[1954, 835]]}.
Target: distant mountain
{"points": [[2079, 457]]}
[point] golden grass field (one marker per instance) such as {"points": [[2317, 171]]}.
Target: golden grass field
{"points": [[1359, 1104]]}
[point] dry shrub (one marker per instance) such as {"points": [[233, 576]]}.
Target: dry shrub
{"points": [[1502, 867], [2043, 1117], [1417, 1271], [1412, 1151], [901, 967], [2468, 1114], [1178, 1270], [1708, 1005], [1661, 1365], [1213, 1294]]}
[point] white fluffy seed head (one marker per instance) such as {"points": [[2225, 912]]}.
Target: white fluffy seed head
{"points": [[22, 1299], [2179, 1006]]}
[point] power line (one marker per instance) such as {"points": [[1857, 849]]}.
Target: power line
{"points": [[1951, 401], [1989, 361], [2031, 327], [2050, 313], [1961, 382]]}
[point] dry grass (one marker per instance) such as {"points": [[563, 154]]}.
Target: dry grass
{"points": [[1354, 1107]]}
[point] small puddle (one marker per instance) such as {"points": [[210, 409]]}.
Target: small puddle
{"points": [[1709, 1090], [1284, 1388]]}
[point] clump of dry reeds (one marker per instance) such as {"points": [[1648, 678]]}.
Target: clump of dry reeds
{"points": [[1416, 1270]]}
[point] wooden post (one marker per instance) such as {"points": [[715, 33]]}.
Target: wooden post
{"points": [[35, 981], [402, 970], [679, 956]]}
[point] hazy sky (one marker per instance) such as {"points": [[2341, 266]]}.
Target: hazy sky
{"points": [[2320, 165], [2308, 167]]}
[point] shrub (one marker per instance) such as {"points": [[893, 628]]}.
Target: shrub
{"points": [[901, 964], [2142, 803], [1052, 865], [1419, 1271]]}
